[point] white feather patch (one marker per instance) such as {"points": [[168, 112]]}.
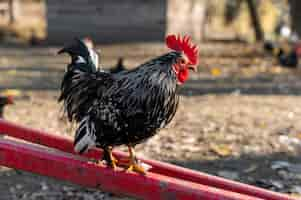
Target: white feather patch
{"points": [[88, 140], [80, 59], [94, 57]]}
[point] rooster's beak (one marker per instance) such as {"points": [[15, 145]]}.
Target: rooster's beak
{"points": [[193, 68]]}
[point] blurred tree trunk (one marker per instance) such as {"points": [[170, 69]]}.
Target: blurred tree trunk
{"points": [[202, 11], [181, 13], [255, 20], [14, 6], [295, 7]]}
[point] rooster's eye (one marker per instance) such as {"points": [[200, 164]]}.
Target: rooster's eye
{"points": [[182, 61]]}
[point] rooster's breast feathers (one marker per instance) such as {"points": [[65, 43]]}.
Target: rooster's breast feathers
{"points": [[135, 104], [148, 92]]}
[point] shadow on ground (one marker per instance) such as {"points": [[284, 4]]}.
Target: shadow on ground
{"points": [[30, 78], [46, 78], [250, 169], [257, 85]]}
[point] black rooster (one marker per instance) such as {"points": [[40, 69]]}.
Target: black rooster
{"points": [[5, 100], [286, 54], [126, 107]]}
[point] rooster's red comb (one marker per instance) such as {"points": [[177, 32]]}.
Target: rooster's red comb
{"points": [[184, 44]]}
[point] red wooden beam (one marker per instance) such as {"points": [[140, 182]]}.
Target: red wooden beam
{"points": [[75, 169], [65, 144]]}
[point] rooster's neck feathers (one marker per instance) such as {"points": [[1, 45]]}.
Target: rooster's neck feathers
{"points": [[156, 74], [166, 60], [160, 64]]}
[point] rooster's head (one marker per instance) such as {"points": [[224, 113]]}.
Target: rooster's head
{"points": [[189, 56]]}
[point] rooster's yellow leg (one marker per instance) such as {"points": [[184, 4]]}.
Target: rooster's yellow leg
{"points": [[109, 158], [132, 164]]}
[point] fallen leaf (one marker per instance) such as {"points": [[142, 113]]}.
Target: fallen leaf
{"points": [[221, 149], [215, 72], [11, 92], [298, 136], [12, 72]]}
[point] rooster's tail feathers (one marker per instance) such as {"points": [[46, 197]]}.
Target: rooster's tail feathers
{"points": [[77, 48], [85, 137], [83, 57]]}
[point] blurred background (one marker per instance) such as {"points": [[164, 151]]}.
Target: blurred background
{"points": [[239, 115]]}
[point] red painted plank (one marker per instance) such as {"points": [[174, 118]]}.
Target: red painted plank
{"points": [[77, 170], [65, 144]]}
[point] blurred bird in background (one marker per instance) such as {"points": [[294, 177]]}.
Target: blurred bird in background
{"points": [[4, 101], [286, 54], [286, 49], [126, 107]]}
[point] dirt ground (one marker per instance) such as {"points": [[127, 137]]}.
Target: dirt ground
{"points": [[239, 117]]}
